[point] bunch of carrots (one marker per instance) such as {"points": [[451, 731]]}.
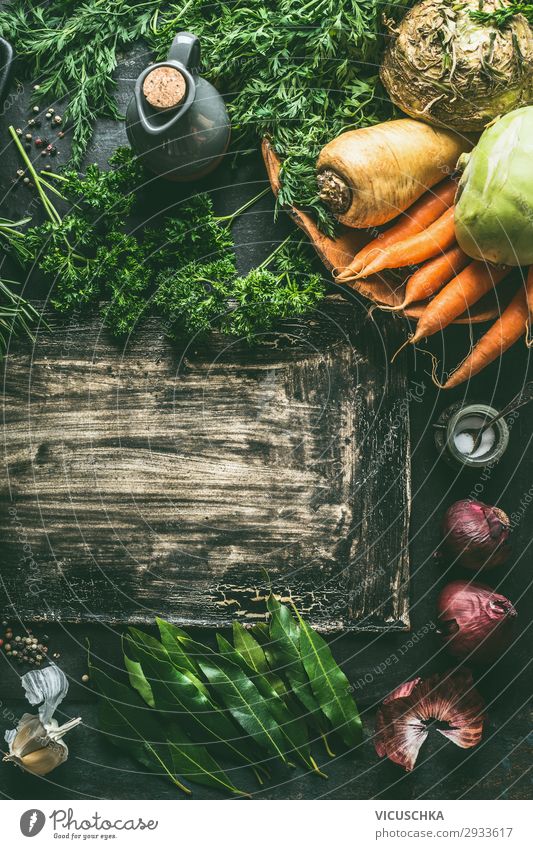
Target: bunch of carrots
{"points": [[425, 236]]}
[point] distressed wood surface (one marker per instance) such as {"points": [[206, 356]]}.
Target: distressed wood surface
{"points": [[151, 479]]}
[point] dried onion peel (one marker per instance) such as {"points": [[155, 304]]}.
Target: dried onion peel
{"points": [[402, 721]]}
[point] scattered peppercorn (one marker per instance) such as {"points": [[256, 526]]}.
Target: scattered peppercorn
{"points": [[60, 134], [26, 181], [44, 152], [85, 679], [28, 136], [25, 648], [36, 87], [20, 172], [35, 108], [58, 119], [18, 131], [31, 122], [51, 110]]}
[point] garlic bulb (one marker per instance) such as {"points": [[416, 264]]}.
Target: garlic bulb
{"points": [[36, 744]]}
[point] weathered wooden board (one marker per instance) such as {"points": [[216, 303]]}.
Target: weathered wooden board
{"points": [[147, 479]]}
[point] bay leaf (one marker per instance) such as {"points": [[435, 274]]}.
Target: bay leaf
{"points": [[242, 698], [330, 685], [137, 678], [284, 654], [175, 694], [292, 727], [133, 727], [255, 657]]}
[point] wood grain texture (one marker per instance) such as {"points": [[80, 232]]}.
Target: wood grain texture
{"points": [[149, 479]]}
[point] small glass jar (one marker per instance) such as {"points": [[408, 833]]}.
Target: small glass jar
{"points": [[455, 443]]}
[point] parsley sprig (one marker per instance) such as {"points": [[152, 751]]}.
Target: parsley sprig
{"points": [[184, 270]]}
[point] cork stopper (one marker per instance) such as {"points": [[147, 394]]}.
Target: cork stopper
{"points": [[164, 87]]}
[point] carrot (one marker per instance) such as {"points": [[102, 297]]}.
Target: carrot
{"points": [[505, 331], [432, 276], [529, 298], [415, 219], [438, 237], [469, 286]]}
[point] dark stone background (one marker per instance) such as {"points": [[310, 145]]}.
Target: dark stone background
{"points": [[501, 765]]}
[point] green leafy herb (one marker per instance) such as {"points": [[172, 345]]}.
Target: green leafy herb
{"points": [[72, 49], [254, 656], [138, 680], [175, 694], [17, 316], [199, 704], [298, 72], [241, 697], [284, 652], [329, 684], [132, 727], [196, 764], [189, 259], [292, 727]]}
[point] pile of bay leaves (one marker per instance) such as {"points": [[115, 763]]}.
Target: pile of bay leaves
{"points": [[259, 703]]}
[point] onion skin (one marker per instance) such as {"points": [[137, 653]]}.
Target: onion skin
{"points": [[475, 621], [476, 535], [402, 719]]}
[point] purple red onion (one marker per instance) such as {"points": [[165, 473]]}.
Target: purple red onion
{"points": [[402, 722], [475, 621], [476, 535]]}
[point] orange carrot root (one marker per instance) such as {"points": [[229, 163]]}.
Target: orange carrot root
{"points": [[432, 276], [458, 295], [415, 219], [505, 331], [437, 238], [529, 298]]}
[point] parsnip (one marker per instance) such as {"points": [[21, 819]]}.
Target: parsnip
{"points": [[368, 176]]}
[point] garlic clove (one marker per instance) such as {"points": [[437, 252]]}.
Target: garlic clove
{"points": [[27, 736], [41, 761], [35, 744]]}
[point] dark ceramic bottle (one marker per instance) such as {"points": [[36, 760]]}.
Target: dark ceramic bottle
{"points": [[176, 121]]}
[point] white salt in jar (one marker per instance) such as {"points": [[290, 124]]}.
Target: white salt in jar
{"points": [[455, 432]]}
